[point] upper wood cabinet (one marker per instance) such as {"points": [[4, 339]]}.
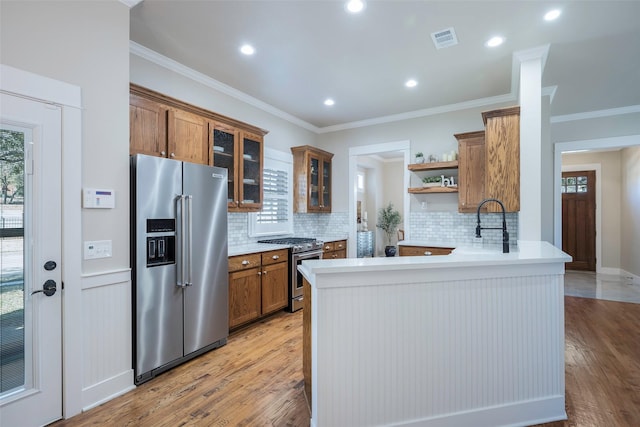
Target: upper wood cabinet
{"points": [[147, 127], [166, 127], [502, 158], [187, 137], [471, 170], [240, 152], [311, 179]]}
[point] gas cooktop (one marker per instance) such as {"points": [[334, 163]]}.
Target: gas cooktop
{"points": [[297, 244]]}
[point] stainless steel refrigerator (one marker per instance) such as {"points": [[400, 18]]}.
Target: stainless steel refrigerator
{"points": [[179, 262]]}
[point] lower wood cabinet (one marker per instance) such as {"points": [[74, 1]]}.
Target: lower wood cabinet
{"points": [[335, 250], [423, 250], [257, 285]]}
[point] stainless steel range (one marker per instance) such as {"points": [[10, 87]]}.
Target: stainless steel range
{"points": [[300, 248]]}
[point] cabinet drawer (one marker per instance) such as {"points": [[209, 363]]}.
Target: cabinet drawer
{"points": [[328, 246], [423, 250], [243, 262], [342, 253], [273, 257], [339, 245]]}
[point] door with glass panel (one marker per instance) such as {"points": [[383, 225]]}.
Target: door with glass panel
{"points": [[579, 219], [30, 258]]}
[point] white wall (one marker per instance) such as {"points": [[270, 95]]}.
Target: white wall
{"points": [[86, 44], [431, 135], [630, 211]]}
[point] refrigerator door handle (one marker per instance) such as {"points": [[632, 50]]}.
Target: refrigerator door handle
{"points": [[189, 235], [182, 218]]}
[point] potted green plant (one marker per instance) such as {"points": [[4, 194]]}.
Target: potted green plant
{"points": [[432, 181], [388, 220], [419, 157]]}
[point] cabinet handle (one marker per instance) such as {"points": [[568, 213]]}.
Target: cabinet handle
{"points": [[172, 154], [265, 272], [259, 273], [245, 262], [427, 253], [340, 246], [164, 153], [326, 248], [275, 257]]}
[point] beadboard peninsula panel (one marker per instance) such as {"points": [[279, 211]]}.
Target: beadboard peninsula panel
{"points": [[465, 339], [480, 343]]}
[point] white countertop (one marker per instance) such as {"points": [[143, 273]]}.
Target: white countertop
{"points": [[528, 252], [252, 248]]}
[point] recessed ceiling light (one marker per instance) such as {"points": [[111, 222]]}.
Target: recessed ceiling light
{"points": [[355, 6], [552, 15], [411, 83], [247, 49], [495, 41], [329, 102]]}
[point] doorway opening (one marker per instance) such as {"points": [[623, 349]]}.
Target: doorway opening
{"points": [[371, 160]]}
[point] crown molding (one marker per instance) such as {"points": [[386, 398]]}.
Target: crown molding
{"points": [[631, 109], [422, 113], [518, 57], [170, 64]]}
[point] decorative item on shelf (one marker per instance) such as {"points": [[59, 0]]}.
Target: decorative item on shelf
{"points": [[447, 182], [432, 158], [365, 225], [432, 181], [388, 220], [419, 157]]}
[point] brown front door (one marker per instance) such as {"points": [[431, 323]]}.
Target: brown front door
{"points": [[579, 219]]}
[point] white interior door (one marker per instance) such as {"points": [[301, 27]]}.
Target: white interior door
{"points": [[30, 262]]}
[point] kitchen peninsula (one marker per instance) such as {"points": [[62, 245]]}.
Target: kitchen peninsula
{"points": [[471, 338]]}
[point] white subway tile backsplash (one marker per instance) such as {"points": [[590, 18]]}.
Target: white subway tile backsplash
{"points": [[434, 226]]}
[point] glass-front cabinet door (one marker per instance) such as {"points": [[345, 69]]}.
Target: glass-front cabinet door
{"points": [[314, 183], [326, 185], [224, 145], [250, 196]]}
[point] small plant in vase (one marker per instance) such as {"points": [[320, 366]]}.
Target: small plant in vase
{"points": [[419, 157], [432, 181], [388, 220]]}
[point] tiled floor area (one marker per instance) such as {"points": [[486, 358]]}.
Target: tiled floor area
{"points": [[587, 284]]}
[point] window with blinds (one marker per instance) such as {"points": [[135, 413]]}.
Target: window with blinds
{"points": [[275, 206], [276, 217]]}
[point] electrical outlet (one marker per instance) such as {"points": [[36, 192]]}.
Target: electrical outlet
{"points": [[97, 249]]}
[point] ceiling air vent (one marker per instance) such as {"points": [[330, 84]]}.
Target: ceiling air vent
{"points": [[444, 38]]}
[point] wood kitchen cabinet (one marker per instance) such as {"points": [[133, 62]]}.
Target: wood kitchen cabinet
{"points": [[311, 179], [502, 158], [147, 127], [166, 127], [187, 137], [334, 250], [159, 130], [241, 153], [258, 285], [471, 170], [423, 250]]}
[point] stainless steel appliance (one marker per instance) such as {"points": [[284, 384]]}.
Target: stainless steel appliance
{"points": [[300, 248], [179, 262]]}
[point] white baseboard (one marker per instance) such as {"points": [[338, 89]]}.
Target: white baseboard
{"points": [[611, 271], [635, 280], [99, 393]]}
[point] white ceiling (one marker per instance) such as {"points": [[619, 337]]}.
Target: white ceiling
{"points": [[309, 50]]}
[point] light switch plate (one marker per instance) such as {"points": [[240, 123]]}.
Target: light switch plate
{"points": [[97, 249]]}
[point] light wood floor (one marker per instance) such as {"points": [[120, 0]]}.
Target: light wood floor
{"points": [[256, 379]]}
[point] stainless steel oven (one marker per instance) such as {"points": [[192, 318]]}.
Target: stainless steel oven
{"points": [[295, 277], [300, 249]]}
